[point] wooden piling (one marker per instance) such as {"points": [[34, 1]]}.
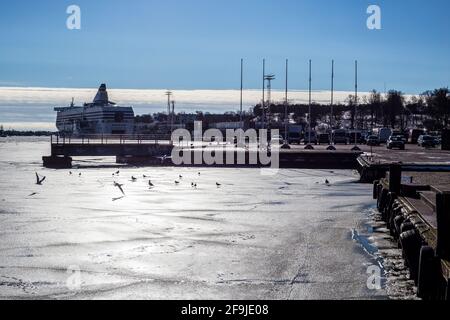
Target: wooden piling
{"points": [[443, 225], [395, 178]]}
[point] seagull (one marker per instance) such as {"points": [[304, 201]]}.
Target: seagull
{"points": [[180, 176], [33, 194], [70, 172], [79, 174], [39, 180], [118, 198], [133, 178], [163, 158], [218, 184], [144, 176], [118, 185], [117, 172], [177, 182], [199, 173], [326, 181], [150, 184], [192, 184]]}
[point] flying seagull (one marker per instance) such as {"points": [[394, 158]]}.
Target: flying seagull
{"points": [[39, 180], [118, 185]]}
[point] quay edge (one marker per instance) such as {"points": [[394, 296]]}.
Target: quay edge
{"points": [[418, 218]]}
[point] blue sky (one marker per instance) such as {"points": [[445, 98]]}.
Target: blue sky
{"points": [[197, 44]]}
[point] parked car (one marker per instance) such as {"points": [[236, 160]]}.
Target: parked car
{"points": [[324, 138], [373, 141], [339, 136], [426, 141], [438, 140], [307, 137], [277, 139], [396, 142], [415, 134], [355, 136]]}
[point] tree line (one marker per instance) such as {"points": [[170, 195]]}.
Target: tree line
{"points": [[429, 110]]}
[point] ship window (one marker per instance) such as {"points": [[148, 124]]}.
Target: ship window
{"points": [[118, 117]]}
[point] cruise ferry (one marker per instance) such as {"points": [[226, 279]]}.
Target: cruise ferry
{"points": [[99, 117]]}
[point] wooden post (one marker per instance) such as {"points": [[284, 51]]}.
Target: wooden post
{"points": [[395, 178], [443, 225]]}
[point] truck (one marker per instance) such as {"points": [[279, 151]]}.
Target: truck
{"points": [[339, 136], [295, 134], [383, 134]]}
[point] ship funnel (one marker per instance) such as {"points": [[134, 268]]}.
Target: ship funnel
{"points": [[102, 95]]}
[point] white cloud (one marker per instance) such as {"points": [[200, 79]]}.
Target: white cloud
{"points": [[26, 108], [228, 99]]}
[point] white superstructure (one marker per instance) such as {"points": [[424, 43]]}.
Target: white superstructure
{"points": [[99, 117]]}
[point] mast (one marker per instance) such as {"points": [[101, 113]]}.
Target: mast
{"points": [[332, 94], [286, 120], [242, 87], [262, 103], [356, 99], [309, 105]]}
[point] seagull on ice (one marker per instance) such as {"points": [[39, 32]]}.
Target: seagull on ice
{"points": [[70, 172], [39, 180], [117, 172], [151, 185], [180, 176], [177, 182], [144, 176], [133, 179], [118, 185], [79, 174], [326, 181], [218, 184]]}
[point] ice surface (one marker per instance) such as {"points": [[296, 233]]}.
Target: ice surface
{"points": [[287, 236]]}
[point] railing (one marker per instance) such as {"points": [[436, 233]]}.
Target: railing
{"points": [[105, 139]]}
